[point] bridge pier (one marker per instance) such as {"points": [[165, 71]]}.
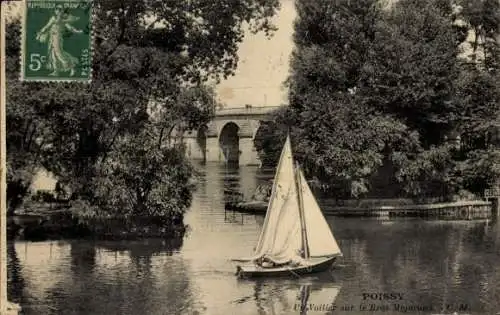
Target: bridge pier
{"points": [[247, 152], [248, 155], [194, 150], [213, 152]]}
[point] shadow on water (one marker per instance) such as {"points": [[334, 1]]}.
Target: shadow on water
{"points": [[107, 278], [146, 247], [15, 281]]}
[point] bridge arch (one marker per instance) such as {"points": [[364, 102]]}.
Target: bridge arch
{"points": [[229, 142]]}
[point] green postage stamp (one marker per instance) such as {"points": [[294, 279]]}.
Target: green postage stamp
{"points": [[57, 40]]}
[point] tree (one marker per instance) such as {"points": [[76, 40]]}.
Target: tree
{"points": [[412, 76], [376, 88], [139, 179], [270, 137], [23, 149], [338, 138], [151, 63], [483, 20], [479, 96], [413, 69]]}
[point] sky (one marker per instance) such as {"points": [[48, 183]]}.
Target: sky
{"points": [[263, 66]]}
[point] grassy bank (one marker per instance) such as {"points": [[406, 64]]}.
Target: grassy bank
{"points": [[43, 221]]}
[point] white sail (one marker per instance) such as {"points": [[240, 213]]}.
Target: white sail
{"points": [[320, 239], [285, 243], [280, 235], [282, 216]]}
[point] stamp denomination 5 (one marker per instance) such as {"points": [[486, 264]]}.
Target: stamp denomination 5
{"points": [[57, 40]]}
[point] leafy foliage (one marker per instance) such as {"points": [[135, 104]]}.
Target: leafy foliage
{"points": [[138, 178], [339, 138], [483, 20], [412, 69], [344, 148], [151, 63], [270, 137], [377, 88], [24, 129]]}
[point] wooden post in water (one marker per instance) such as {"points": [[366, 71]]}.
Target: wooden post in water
{"points": [[493, 195], [495, 208]]}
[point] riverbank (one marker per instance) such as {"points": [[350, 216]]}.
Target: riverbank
{"points": [[459, 210], [55, 222]]}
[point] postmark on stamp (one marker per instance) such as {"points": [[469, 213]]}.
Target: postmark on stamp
{"points": [[57, 41]]}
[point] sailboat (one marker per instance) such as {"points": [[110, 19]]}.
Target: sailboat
{"points": [[295, 238]]}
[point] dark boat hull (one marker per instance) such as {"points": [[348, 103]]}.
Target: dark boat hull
{"points": [[315, 265]]}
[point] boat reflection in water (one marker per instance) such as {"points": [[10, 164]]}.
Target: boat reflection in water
{"points": [[294, 296]]}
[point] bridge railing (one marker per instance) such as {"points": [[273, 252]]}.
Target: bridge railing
{"points": [[262, 110]]}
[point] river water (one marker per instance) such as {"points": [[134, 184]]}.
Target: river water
{"points": [[422, 266]]}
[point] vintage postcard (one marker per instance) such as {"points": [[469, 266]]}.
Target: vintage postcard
{"points": [[251, 157]]}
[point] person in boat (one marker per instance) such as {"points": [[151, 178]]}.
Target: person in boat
{"points": [[266, 262]]}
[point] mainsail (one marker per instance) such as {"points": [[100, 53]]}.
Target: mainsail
{"points": [[294, 224], [280, 237]]}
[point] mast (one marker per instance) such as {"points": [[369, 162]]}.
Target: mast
{"points": [[305, 245]]}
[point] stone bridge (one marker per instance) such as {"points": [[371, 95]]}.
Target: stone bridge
{"points": [[228, 138]]}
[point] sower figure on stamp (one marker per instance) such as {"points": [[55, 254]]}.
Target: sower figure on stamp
{"points": [[58, 59]]}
